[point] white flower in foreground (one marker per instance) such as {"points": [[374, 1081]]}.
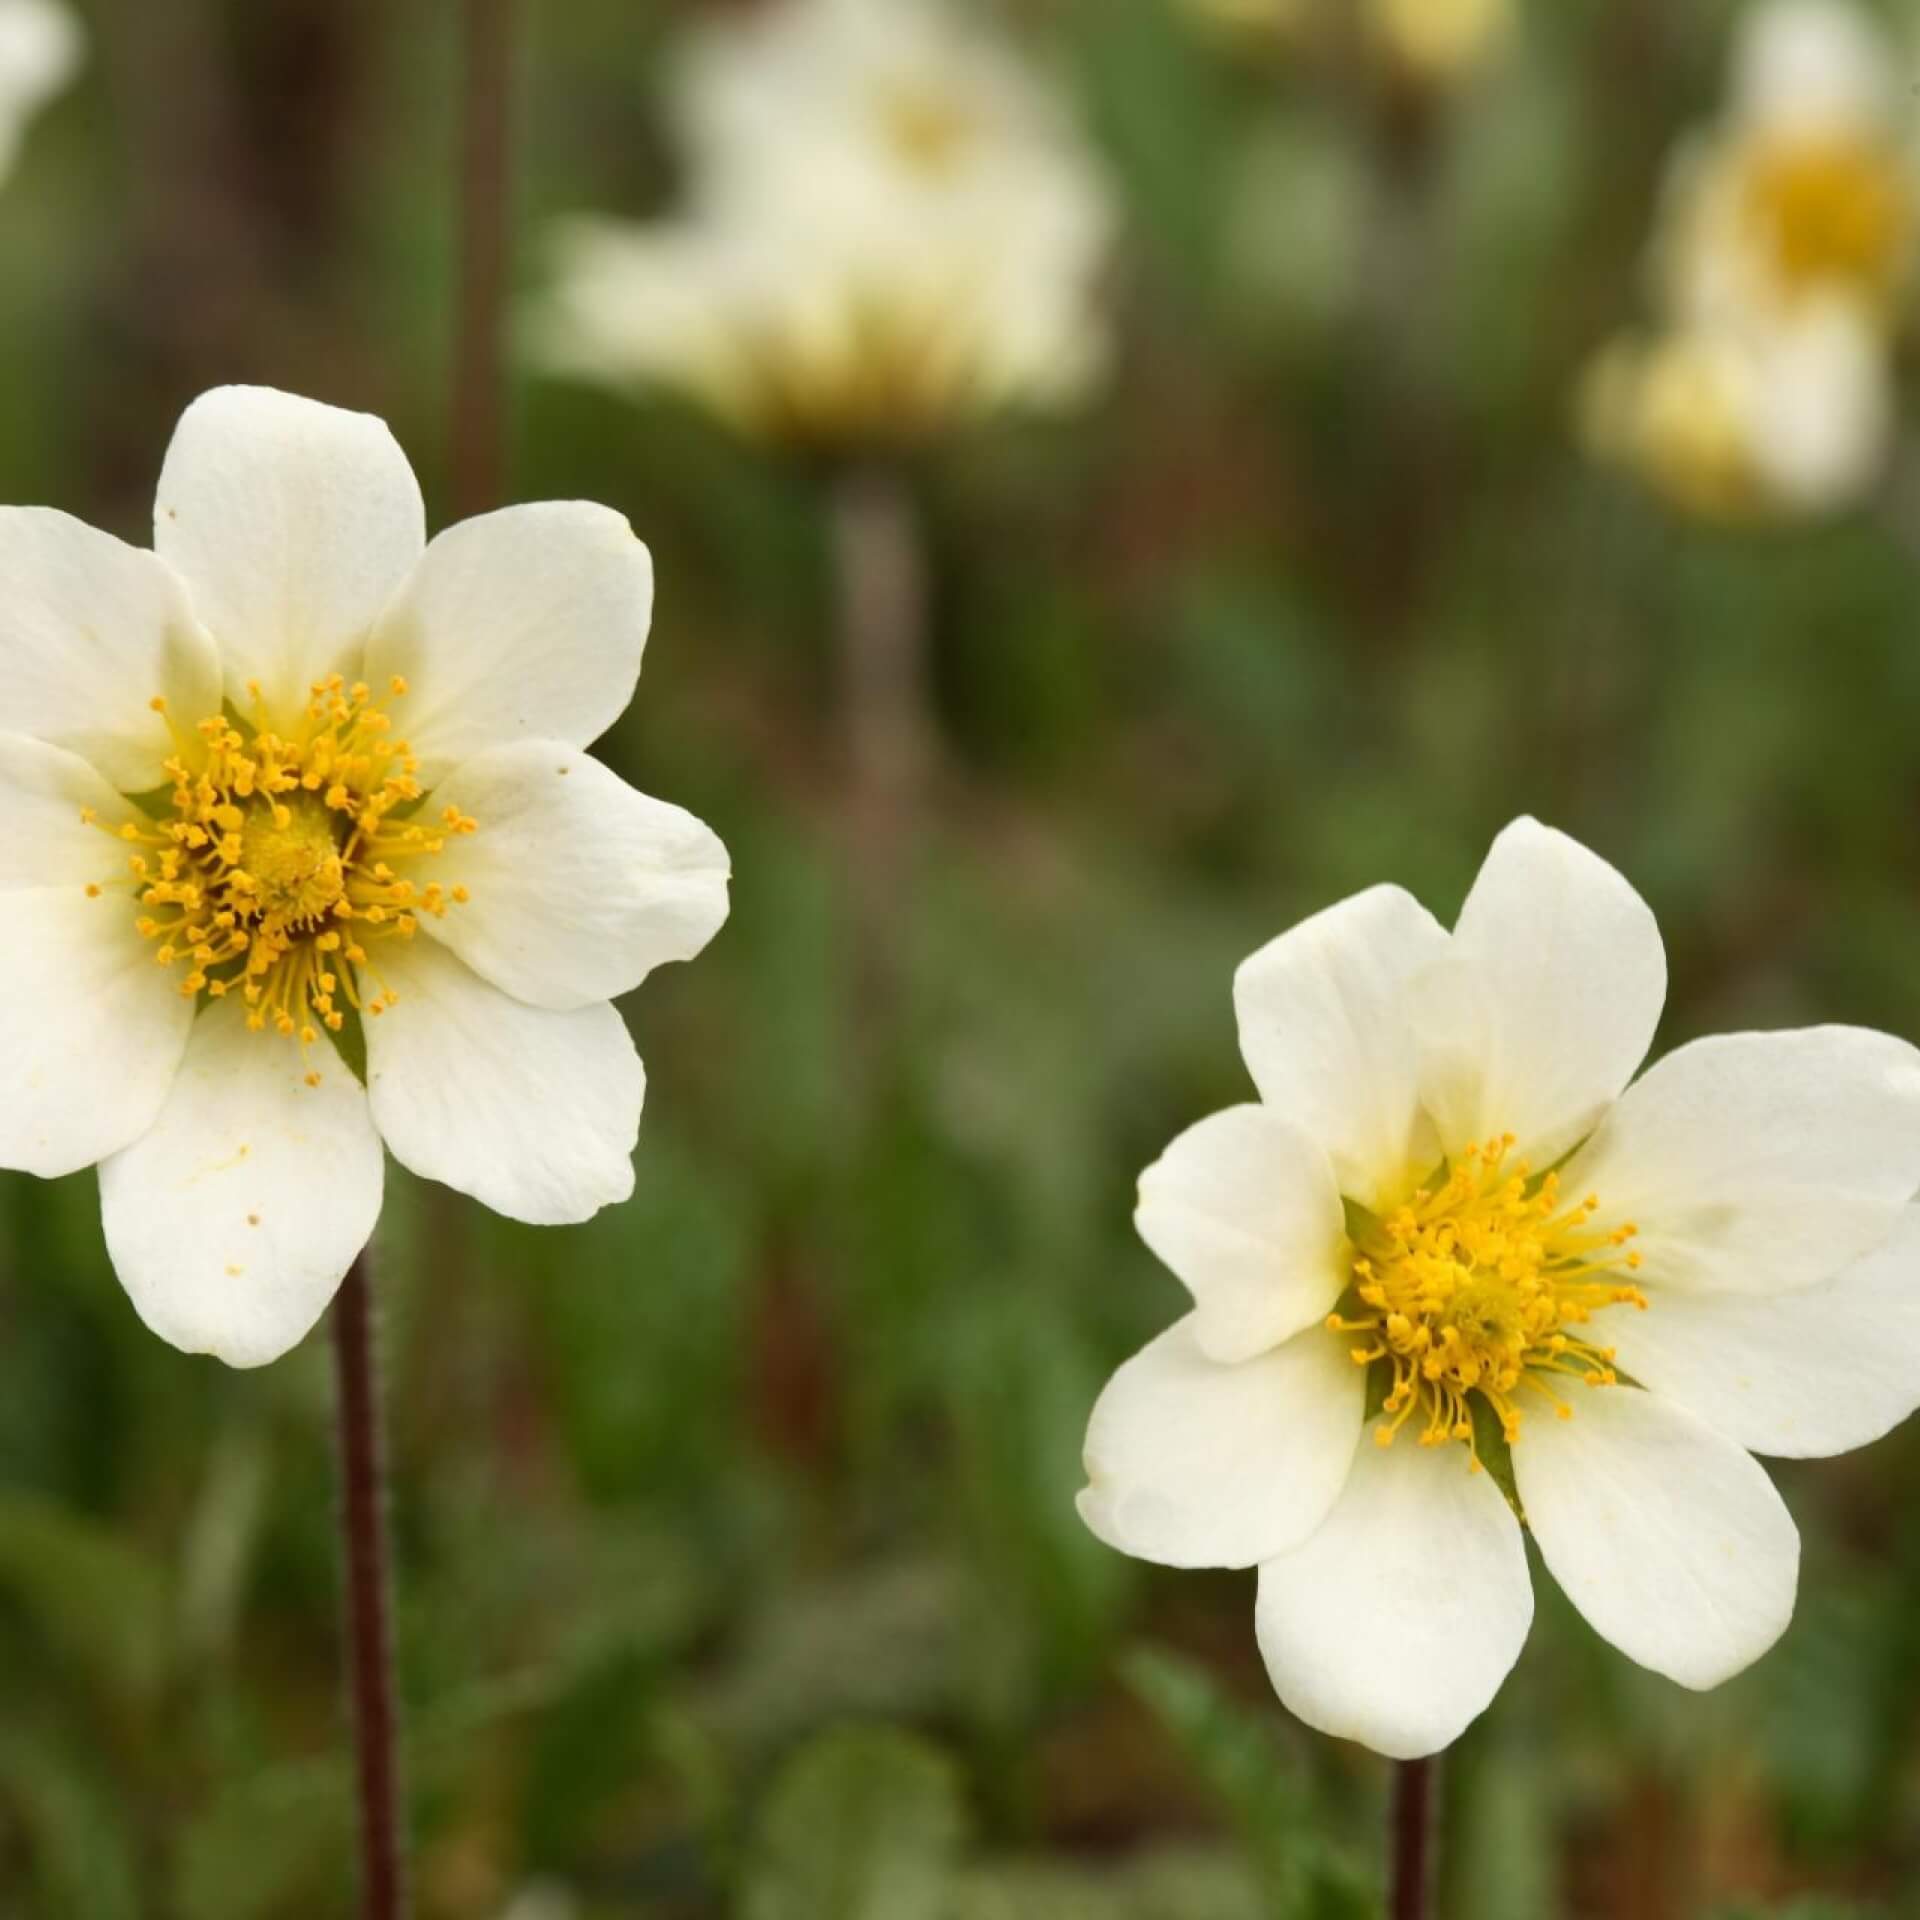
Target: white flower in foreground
{"points": [[1806, 189], [1451, 1234], [892, 225], [1796, 418], [39, 49], [297, 773]]}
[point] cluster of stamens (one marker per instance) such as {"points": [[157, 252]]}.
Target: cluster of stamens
{"points": [[1833, 208], [284, 859], [1472, 1286]]}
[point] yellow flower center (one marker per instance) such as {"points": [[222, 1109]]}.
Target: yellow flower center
{"points": [[282, 859], [1832, 208], [1479, 1285], [926, 128]]}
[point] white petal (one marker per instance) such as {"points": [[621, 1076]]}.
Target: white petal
{"points": [[1667, 1536], [1803, 1374], [534, 1113], [580, 885], [1396, 1622], [293, 524], [1546, 1001], [1195, 1464], [40, 45], [528, 623], [91, 1031], [44, 842], [1761, 1162], [92, 631], [1324, 1031], [233, 1220], [1242, 1207], [1804, 68]]}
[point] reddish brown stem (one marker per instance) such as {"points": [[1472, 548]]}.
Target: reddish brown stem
{"points": [[367, 1585], [1410, 1896]]}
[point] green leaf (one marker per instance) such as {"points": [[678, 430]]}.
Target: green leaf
{"points": [[863, 1823]]}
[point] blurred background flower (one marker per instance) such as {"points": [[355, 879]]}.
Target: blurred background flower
{"points": [[1780, 264], [40, 45], [892, 226]]}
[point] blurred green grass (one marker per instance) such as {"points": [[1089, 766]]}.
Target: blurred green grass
{"points": [[739, 1567]]}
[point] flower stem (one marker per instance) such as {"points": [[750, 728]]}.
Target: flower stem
{"points": [[880, 579], [367, 1582], [1412, 1839]]}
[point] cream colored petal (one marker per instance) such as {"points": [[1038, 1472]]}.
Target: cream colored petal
{"points": [[1324, 1030], [92, 632], [1195, 1464], [1545, 1002], [579, 885], [233, 1219], [1804, 1374], [293, 524], [91, 1031], [1243, 1209], [532, 1112], [1667, 1536], [1395, 1623], [45, 840], [1758, 1163], [523, 624]]}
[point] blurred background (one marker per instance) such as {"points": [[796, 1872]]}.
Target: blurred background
{"points": [[739, 1570]]}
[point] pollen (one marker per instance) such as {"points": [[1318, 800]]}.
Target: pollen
{"points": [[282, 860], [1484, 1284]]}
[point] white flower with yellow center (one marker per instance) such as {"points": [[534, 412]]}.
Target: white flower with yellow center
{"points": [[39, 49], [893, 226], [1807, 189], [297, 782], [1453, 1275], [1791, 418]]}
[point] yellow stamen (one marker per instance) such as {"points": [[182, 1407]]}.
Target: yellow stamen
{"points": [[274, 840], [1472, 1286]]}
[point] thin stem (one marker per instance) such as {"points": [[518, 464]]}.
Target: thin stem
{"points": [[367, 1582], [1411, 1895], [882, 633], [485, 198]]}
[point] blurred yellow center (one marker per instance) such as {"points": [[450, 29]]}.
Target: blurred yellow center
{"points": [[1479, 1286], [285, 857], [926, 128], [1835, 208]]}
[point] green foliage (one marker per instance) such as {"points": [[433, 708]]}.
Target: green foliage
{"points": [[861, 1824]]}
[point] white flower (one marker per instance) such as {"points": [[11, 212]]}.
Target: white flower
{"points": [[39, 49], [1806, 189], [1783, 252], [1792, 418], [891, 225], [297, 773], [1616, 1290]]}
